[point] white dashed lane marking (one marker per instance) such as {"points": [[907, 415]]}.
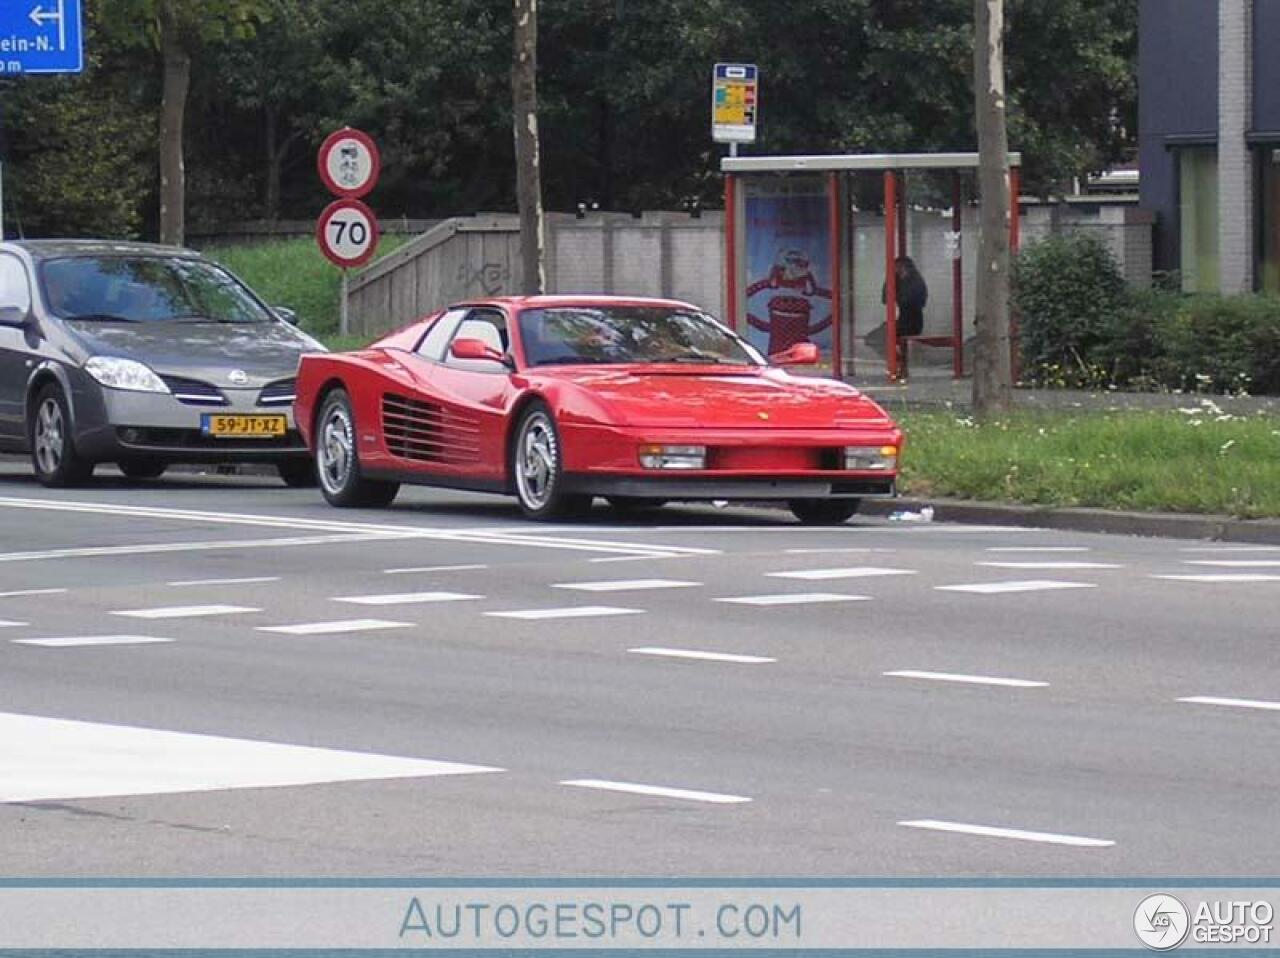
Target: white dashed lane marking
{"points": [[185, 611], [1230, 549], [47, 759], [335, 627], [571, 612], [989, 831], [246, 580], [435, 568], [1024, 585], [851, 572], [407, 598], [1037, 549], [1222, 577], [22, 592], [658, 791], [1051, 565], [969, 679], [703, 656], [1232, 703], [627, 585], [1236, 563], [794, 598], [74, 641], [6, 624]]}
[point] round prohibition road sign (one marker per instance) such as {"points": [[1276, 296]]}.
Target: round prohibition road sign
{"points": [[347, 232], [349, 163]]}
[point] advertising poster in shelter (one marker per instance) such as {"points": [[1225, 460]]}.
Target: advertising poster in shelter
{"points": [[788, 294]]}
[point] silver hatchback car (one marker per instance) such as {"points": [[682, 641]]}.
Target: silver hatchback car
{"points": [[144, 356]]}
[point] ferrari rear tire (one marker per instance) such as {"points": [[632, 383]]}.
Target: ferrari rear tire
{"points": [[338, 461], [537, 464], [142, 468], [823, 512], [53, 448]]}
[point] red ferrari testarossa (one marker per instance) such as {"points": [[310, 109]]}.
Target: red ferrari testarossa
{"points": [[556, 399]]}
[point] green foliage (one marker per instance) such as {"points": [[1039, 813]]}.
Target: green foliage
{"points": [[1068, 291], [1218, 344], [1199, 460], [295, 274], [623, 86]]}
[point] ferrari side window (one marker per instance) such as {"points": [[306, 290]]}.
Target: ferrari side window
{"points": [[438, 336]]}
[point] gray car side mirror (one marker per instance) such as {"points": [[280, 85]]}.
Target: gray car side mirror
{"points": [[287, 314], [14, 316]]}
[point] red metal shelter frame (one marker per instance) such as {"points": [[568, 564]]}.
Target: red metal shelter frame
{"points": [[894, 167]]}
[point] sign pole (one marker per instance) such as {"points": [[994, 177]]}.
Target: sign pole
{"points": [[343, 316]]}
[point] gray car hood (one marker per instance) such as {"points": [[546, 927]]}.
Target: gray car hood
{"points": [[201, 350]]}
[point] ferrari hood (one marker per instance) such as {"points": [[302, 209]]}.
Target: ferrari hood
{"points": [[769, 399]]}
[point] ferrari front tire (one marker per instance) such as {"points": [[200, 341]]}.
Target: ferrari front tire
{"points": [[537, 462], [338, 462], [823, 512]]}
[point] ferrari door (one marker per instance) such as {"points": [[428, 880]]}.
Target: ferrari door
{"points": [[472, 396]]}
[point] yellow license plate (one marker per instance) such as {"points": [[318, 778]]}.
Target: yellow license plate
{"points": [[243, 427]]}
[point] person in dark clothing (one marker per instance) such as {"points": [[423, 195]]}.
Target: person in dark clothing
{"points": [[913, 294]]}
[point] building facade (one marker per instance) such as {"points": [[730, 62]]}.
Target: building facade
{"points": [[1209, 140]]}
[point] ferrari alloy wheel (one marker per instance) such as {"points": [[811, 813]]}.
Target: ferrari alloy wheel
{"points": [[538, 464], [143, 468], [338, 463], [53, 451], [823, 512]]}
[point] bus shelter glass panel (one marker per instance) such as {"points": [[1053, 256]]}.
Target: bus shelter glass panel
{"points": [[788, 297]]}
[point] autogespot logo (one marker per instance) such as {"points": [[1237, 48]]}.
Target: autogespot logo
{"points": [[1161, 922]]}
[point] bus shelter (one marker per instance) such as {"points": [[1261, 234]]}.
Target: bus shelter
{"points": [[802, 262]]}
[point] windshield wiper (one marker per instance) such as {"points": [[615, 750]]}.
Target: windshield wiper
{"points": [[693, 356], [102, 318], [573, 361]]}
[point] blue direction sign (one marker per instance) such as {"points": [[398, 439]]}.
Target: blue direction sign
{"points": [[40, 36]]}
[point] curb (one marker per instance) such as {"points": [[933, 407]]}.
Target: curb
{"points": [[1156, 524]]}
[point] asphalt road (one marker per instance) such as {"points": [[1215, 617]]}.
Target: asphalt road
{"points": [[207, 676]]}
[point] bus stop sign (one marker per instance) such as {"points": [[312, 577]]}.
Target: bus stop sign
{"points": [[734, 99], [41, 36]]}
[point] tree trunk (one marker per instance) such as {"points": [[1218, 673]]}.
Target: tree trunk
{"points": [[177, 80], [524, 110], [271, 199], [992, 366]]}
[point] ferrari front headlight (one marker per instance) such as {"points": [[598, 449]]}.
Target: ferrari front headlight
{"points": [[673, 457], [871, 458]]}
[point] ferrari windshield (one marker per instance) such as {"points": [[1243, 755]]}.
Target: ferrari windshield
{"points": [[144, 289], [565, 335]]}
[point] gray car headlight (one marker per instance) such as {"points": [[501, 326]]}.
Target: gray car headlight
{"points": [[118, 373]]}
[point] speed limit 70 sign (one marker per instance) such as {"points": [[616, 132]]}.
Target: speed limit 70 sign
{"points": [[347, 232]]}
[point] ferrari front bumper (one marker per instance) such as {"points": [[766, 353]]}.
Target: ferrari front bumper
{"points": [[687, 488]]}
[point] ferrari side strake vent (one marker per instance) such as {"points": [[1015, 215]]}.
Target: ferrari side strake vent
{"points": [[426, 432]]}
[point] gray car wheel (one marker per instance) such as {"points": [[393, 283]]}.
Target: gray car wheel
{"points": [[338, 461], [53, 449]]}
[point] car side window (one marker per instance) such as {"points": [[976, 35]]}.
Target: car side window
{"points": [[488, 326], [438, 336], [15, 289]]}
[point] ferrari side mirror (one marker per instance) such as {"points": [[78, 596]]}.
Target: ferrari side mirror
{"points": [[801, 354]]}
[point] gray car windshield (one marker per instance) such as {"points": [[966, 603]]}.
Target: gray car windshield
{"points": [[566, 335], [146, 289]]}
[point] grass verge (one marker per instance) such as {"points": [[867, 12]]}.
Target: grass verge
{"points": [[294, 273], [1196, 460]]}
